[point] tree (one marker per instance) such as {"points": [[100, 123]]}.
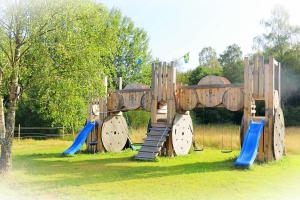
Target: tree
{"points": [[58, 52], [130, 52], [279, 34], [208, 58], [232, 63], [22, 23], [195, 75]]}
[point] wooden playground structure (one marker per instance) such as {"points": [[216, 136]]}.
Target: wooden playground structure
{"points": [[170, 131]]}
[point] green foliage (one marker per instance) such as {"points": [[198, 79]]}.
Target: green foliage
{"points": [[62, 67], [137, 119], [40, 168], [130, 45], [183, 77], [208, 58], [232, 62], [195, 75], [279, 34]]}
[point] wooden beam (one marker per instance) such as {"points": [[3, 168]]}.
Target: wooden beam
{"points": [[154, 95], [213, 86], [120, 83], [269, 109], [248, 78], [171, 92]]}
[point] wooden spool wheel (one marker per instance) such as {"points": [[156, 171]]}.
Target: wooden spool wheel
{"points": [[278, 134], [182, 134], [114, 133]]}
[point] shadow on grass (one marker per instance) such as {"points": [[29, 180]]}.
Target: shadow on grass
{"points": [[73, 172]]}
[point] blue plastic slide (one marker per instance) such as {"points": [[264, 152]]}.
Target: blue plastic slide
{"points": [[250, 144], [81, 137]]}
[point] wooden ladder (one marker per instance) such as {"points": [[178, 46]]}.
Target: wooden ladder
{"points": [[153, 143]]}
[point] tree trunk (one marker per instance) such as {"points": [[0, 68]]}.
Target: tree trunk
{"points": [[6, 147], [2, 117], [6, 159]]}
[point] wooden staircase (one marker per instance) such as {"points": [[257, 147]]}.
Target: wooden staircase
{"points": [[153, 143]]}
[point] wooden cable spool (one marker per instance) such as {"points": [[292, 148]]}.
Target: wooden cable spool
{"points": [[114, 133], [115, 101], [146, 101], [182, 134], [278, 134], [187, 99], [233, 99], [211, 97], [132, 100]]}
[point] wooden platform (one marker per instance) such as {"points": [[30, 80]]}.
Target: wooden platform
{"points": [[153, 143]]}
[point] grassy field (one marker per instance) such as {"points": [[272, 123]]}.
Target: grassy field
{"points": [[40, 172], [211, 136]]}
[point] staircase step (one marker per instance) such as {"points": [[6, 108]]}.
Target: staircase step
{"points": [[159, 125], [157, 133], [155, 138], [153, 143], [150, 149], [159, 128], [145, 156]]}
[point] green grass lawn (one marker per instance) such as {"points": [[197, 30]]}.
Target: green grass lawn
{"points": [[40, 172]]}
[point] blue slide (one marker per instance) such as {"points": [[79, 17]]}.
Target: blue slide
{"points": [[250, 144], [81, 137]]}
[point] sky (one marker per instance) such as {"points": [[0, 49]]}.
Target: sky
{"points": [[176, 27]]}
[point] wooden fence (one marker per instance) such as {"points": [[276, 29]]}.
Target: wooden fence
{"points": [[41, 132]]}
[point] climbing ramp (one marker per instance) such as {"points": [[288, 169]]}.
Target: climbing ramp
{"points": [[153, 143]]}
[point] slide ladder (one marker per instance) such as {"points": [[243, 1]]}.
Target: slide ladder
{"points": [[80, 139], [250, 144]]}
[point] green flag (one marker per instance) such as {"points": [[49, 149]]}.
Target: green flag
{"points": [[186, 57]]}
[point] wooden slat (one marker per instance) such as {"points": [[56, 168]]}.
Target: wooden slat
{"points": [[269, 110], [156, 143], [211, 86], [255, 77], [152, 133], [154, 95], [154, 138], [171, 92], [165, 82], [247, 94], [261, 78], [145, 156], [159, 79], [150, 149]]}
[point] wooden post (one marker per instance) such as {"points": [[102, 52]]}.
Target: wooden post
{"points": [[165, 82], [261, 89], [102, 115], [247, 94], [269, 109], [171, 92], [159, 80], [120, 83], [19, 133], [154, 95], [63, 131], [261, 77]]}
